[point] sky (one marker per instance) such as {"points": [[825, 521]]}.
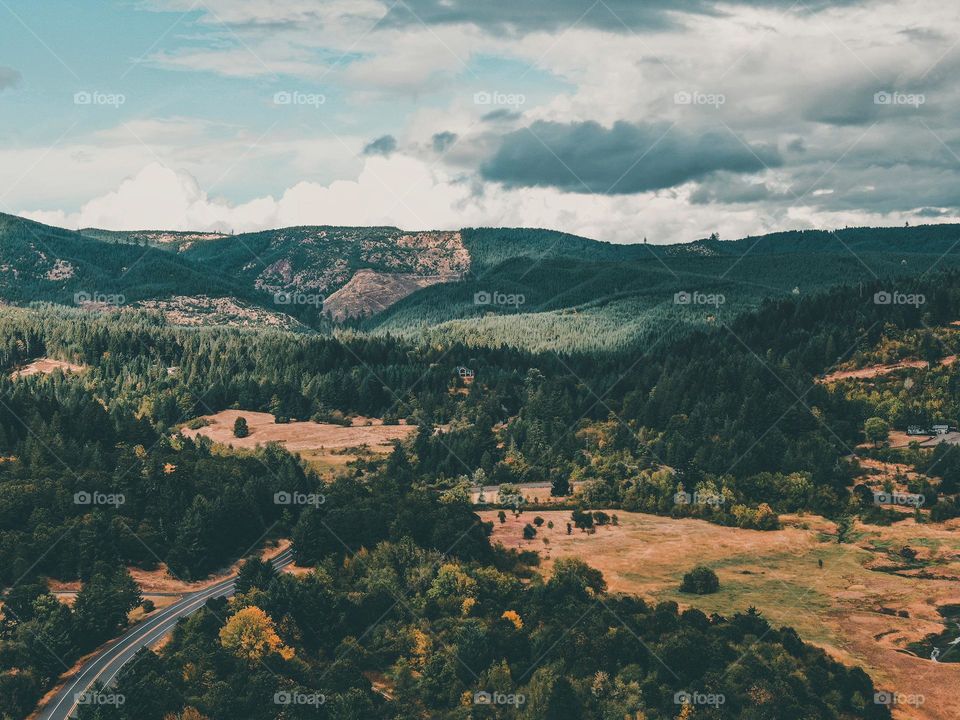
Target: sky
{"points": [[619, 120]]}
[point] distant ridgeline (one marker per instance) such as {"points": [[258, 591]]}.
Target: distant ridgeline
{"points": [[536, 289]]}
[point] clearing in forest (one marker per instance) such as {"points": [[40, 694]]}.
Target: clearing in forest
{"points": [[864, 606], [45, 366], [323, 444]]}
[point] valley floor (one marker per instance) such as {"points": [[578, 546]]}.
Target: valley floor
{"points": [[852, 607]]}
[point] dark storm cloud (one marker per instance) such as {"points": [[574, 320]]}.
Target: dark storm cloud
{"points": [[381, 146], [8, 77], [621, 16], [502, 114], [844, 104], [443, 140], [725, 188], [626, 158], [797, 145]]}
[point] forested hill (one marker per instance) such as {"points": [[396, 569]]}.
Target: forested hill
{"points": [[532, 288], [43, 263], [550, 291]]}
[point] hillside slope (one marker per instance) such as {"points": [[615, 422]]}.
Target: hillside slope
{"points": [[44, 263], [534, 288]]}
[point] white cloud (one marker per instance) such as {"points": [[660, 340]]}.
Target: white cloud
{"points": [[408, 193]]}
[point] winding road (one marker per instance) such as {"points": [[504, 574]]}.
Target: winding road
{"points": [[105, 665]]}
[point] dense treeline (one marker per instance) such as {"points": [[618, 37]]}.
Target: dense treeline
{"points": [[41, 637], [582, 296], [106, 487], [736, 400], [439, 631], [729, 412]]}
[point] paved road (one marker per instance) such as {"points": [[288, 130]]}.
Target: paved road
{"points": [[106, 664]]}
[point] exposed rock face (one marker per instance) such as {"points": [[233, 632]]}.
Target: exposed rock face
{"points": [[61, 270], [199, 310], [359, 271], [370, 292]]}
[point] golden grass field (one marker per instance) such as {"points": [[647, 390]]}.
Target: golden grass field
{"points": [[837, 607], [45, 366], [323, 445]]}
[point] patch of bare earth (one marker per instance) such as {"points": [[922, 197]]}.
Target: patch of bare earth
{"points": [[369, 292], [160, 582], [845, 607], [45, 366], [873, 371]]}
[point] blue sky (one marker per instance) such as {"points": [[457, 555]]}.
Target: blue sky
{"points": [[613, 119]]}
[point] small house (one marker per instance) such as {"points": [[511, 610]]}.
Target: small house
{"points": [[464, 372], [917, 430]]}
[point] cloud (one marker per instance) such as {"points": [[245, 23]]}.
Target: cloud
{"points": [[384, 145], [9, 78], [442, 141], [626, 158], [726, 188], [501, 115], [413, 194], [618, 16]]}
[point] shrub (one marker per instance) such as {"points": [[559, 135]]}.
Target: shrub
{"points": [[240, 429], [701, 580], [529, 532]]}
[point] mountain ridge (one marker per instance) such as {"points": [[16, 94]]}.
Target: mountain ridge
{"points": [[532, 287]]}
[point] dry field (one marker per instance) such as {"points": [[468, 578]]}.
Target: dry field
{"points": [[45, 366], [533, 493], [877, 370], [326, 446], [846, 608]]}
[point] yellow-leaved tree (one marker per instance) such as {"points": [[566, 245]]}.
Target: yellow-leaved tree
{"points": [[189, 713], [251, 634]]}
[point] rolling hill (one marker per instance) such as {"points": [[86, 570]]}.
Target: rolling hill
{"points": [[539, 289]]}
